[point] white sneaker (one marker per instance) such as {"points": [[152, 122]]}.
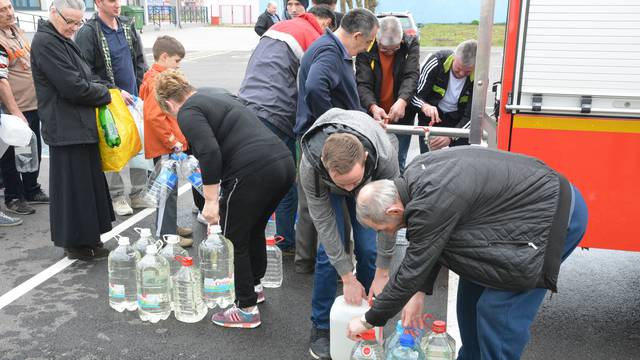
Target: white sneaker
{"points": [[201, 219], [141, 202], [121, 208]]}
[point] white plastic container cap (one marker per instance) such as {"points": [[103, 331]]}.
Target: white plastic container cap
{"points": [[123, 240], [145, 232], [215, 229]]}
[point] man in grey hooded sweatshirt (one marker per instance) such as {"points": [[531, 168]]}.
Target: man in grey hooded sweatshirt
{"points": [[341, 152]]}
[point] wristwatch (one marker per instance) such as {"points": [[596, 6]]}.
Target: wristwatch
{"points": [[363, 321]]}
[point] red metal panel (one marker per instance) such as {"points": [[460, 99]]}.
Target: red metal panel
{"points": [[508, 69]]}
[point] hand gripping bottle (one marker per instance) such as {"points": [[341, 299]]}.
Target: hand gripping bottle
{"points": [[405, 349], [187, 292], [145, 240], [367, 348], [122, 276], [154, 298], [216, 267], [273, 276], [108, 124], [439, 345]]}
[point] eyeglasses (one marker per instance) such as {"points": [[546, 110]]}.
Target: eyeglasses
{"points": [[69, 21]]}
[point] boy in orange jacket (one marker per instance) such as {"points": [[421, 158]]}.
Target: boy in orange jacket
{"points": [[162, 136]]}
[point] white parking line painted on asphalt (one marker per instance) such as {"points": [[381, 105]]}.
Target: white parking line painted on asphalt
{"points": [[33, 282], [452, 315]]}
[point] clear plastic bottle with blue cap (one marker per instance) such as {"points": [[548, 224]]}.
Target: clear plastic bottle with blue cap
{"points": [[405, 349]]}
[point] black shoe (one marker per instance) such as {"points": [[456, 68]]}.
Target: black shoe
{"points": [[86, 253], [319, 347], [289, 251], [302, 269], [19, 207], [38, 198]]}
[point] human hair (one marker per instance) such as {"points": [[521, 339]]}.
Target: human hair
{"points": [[466, 52], [323, 12], [325, 2], [359, 20], [68, 4], [374, 199], [169, 45], [171, 85], [341, 152], [272, 3], [390, 31]]}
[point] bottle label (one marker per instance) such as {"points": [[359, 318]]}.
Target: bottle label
{"points": [[366, 351], [168, 179], [116, 291], [195, 179], [218, 285], [149, 301]]}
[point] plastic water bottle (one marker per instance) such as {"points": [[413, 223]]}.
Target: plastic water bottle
{"points": [[122, 276], [367, 348], [145, 240], [405, 349], [393, 340], [163, 179], [171, 250], [108, 124], [339, 317], [216, 267], [190, 168], [154, 298], [273, 276], [439, 345], [187, 292]]}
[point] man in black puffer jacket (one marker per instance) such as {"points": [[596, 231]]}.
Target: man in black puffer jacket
{"points": [[504, 222]]}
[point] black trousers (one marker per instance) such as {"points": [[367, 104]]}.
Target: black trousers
{"points": [[245, 206]]}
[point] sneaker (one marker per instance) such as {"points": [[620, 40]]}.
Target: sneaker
{"points": [[259, 290], [185, 242], [201, 219], [141, 202], [38, 198], [6, 221], [184, 231], [235, 317], [85, 253], [19, 207], [319, 345], [121, 208]]}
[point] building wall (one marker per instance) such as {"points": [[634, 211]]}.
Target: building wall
{"points": [[235, 11]]}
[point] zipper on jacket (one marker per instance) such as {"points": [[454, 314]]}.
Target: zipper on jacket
{"points": [[522, 243]]}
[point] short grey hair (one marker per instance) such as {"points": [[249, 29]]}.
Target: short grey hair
{"points": [[374, 199], [466, 52], [69, 4], [272, 3], [390, 32], [359, 20]]}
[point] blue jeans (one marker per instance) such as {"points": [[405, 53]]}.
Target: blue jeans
{"points": [[325, 281], [495, 324], [403, 148], [286, 210]]}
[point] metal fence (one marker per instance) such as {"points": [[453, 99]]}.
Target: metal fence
{"points": [[159, 14], [194, 14]]}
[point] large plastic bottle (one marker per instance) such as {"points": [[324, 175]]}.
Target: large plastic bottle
{"points": [[163, 179], [273, 275], [405, 349], [145, 239], [339, 317], [367, 348], [216, 268], [123, 289], [439, 345], [154, 298], [171, 250], [108, 125], [187, 292]]}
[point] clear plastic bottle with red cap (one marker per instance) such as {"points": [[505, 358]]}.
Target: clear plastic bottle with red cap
{"points": [[367, 348], [273, 276], [187, 292], [439, 345]]}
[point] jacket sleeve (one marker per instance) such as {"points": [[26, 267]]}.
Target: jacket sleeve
{"points": [[366, 79], [429, 225], [157, 121], [387, 169], [140, 62], [321, 79], [324, 218], [411, 71], [203, 141], [261, 25], [425, 81], [66, 79]]}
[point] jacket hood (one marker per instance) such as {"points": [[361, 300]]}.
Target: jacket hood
{"points": [[45, 26]]}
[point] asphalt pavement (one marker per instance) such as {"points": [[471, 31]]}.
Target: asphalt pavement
{"points": [[51, 308]]}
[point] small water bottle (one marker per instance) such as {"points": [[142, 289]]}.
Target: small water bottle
{"points": [[163, 179], [143, 241], [273, 276], [171, 250], [367, 348], [393, 340], [122, 276], [187, 292], [439, 345], [216, 267], [190, 168], [154, 297], [405, 349]]}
